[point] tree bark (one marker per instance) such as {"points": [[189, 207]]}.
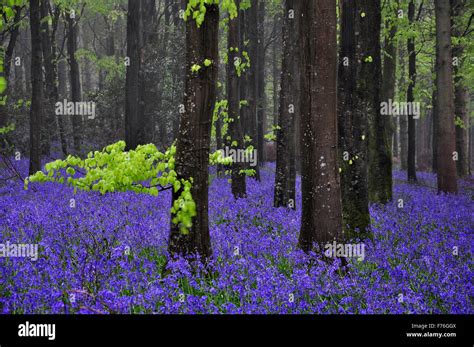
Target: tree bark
{"points": [[321, 219], [352, 124], [36, 109], [411, 173], [461, 94], [380, 155], [284, 192], [234, 49], [447, 182], [193, 143], [261, 103], [134, 132], [75, 80]]}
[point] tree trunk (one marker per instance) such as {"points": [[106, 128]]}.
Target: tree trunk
{"points": [[403, 120], [261, 103], [461, 94], [36, 109], [75, 81], [249, 86], [445, 101], [284, 193], [380, 155], [352, 124], [321, 219], [134, 135], [50, 79], [410, 98], [192, 152], [234, 50]]}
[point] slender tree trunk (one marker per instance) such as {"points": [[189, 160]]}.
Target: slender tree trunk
{"points": [[233, 96], [410, 98], [461, 94], [321, 219], [434, 143], [50, 79], [133, 94], [192, 152], [261, 103], [284, 193], [396, 138], [249, 86], [352, 124], [275, 73], [389, 74], [445, 101], [36, 109], [402, 119], [75, 80], [380, 155]]}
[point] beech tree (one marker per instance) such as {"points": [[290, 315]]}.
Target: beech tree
{"points": [[285, 174], [410, 97], [352, 123], [380, 154], [446, 142], [133, 93], [75, 80], [321, 219], [193, 142], [36, 109], [234, 49]]}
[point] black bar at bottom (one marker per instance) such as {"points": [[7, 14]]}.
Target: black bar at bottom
{"points": [[321, 330]]}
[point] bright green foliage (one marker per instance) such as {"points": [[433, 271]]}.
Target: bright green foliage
{"points": [[7, 129], [143, 170], [196, 9], [7, 15], [271, 136], [195, 68]]}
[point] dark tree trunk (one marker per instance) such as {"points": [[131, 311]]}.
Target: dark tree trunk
{"points": [[396, 138], [36, 110], [261, 101], [75, 80], [134, 133], [403, 120], [51, 91], [352, 124], [192, 152], [284, 193], [321, 219], [234, 50], [445, 101], [276, 74], [380, 155], [461, 94], [410, 98], [434, 119], [389, 74], [249, 86]]}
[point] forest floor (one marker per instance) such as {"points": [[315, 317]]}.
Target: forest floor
{"points": [[107, 254]]}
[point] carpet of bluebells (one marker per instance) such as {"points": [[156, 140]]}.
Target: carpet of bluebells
{"points": [[108, 254]]}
